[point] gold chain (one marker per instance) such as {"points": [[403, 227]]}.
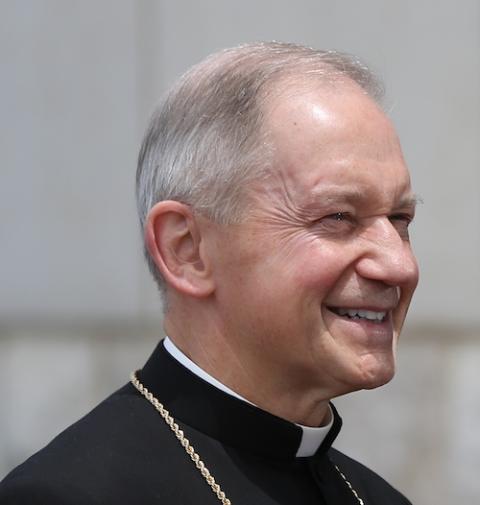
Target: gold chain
{"points": [[182, 439], [185, 443], [352, 489]]}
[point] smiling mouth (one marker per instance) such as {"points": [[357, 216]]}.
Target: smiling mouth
{"points": [[360, 314]]}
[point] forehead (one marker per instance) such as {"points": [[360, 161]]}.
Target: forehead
{"points": [[329, 140]]}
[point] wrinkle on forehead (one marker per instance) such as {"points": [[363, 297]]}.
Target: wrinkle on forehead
{"points": [[347, 179]]}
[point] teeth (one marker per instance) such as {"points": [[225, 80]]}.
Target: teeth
{"points": [[362, 314]]}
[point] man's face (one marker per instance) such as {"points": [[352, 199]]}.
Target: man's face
{"points": [[313, 287]]}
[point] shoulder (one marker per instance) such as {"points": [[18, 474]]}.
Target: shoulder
{"points": [[28, 489], [369, 484], [88, 459]]}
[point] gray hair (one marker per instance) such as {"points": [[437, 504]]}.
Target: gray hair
{"points": [[206, 142]]}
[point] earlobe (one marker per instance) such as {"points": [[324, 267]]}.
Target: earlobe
{"points": [[174, 242]]}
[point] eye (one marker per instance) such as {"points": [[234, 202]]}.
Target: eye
{"points": [[401, 223], [340, 216], [337, 223], [402, 218]]}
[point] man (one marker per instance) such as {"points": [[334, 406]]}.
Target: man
{"points": [[275, 205]]}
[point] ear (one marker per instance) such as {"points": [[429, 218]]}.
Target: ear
{"points": [[174, 241]]}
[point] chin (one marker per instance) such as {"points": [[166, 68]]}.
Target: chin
{"points": [[365, 378], [377, 372], [369, 372]]}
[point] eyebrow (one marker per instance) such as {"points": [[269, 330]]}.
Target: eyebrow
{"points": [[410, 201], [327, 196]]}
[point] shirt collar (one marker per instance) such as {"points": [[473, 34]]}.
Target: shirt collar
{"points": [[197, 405], [311, 439]]}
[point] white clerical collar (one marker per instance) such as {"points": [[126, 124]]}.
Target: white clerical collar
{"points": [[312, 438]]}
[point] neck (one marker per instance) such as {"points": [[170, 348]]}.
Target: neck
{"points": [[257, 382]]}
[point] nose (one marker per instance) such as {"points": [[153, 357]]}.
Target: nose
{"points": [[387, 256]]}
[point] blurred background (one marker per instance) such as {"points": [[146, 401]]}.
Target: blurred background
{"points": [[77, 308]]}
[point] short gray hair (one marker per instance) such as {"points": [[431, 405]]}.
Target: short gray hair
{"points": [[205, 142]]}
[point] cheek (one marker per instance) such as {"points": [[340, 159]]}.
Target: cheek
{"points": [[318, 270], [286, 276]]}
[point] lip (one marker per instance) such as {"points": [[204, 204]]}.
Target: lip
{"points": [[373, 308], [377, 332], [340, 312]]}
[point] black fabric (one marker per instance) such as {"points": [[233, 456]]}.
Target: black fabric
{"points": [[124, 453]]}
